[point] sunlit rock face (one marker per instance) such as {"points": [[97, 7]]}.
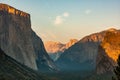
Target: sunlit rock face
{"points": [[11, 10], [109, 51], [55, 49], [97, 52], [82, 55], [111, 44], [19, 41], [70, 43]]}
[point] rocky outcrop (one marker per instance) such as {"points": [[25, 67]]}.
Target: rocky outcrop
{"points": [[55, 49], [19, 41], [70, 43], [104, 64], [108, 52], [97, 52]]}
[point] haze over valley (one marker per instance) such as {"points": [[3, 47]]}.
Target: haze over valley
{"points": [[59, 40]]}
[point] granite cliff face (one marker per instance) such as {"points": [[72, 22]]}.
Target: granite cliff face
{"points": [[19, 41], [10, 69], [83, 54], [97, 52], [55, 49], [6, 8], [70, 43], [108, 53]]}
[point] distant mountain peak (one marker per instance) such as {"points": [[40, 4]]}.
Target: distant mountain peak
{"points": [[73, 40], [112, 29], [55, 47], [4, 8]]}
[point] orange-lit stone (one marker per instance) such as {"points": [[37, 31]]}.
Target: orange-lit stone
{"points": [[11, 10]]}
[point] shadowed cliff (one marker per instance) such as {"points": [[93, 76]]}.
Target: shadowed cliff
{"points": [[12, 70], [20, 42]]}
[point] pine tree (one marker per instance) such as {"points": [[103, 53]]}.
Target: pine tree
{"points": [[117, 70]]}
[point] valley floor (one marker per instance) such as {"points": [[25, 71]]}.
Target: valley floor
{"points": [[77, 75]]}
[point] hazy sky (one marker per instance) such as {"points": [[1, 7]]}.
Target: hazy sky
{"points": [[61, 20]]}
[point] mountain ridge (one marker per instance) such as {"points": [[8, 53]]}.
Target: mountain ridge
{"points": [[4, 8], [110, 48], [85, 54], [55, 49], [60, 46], [20, 42]]}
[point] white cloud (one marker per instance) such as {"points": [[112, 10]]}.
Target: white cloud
{"points": [[61, 18], [88, 11], [66, 14], [58, 20]]}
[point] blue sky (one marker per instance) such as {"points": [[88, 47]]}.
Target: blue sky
{"points": [[61, 20]]}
